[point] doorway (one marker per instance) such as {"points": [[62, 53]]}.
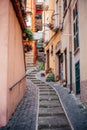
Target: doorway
{"points": [[47, 59]]}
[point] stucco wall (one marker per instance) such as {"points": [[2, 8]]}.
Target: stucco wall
{"points": [[65, 45], [52, 57], [83, 48], [11, 61], [3, 58], [83, 37], [16, 69]]}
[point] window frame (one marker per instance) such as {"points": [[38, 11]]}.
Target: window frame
{"points": [[75, 27], [64, 6]]}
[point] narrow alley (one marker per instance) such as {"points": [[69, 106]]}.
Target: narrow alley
{"points": [[43, 65], [44, 108]]}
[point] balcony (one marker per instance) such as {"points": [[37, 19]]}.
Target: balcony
{"points": [[46, 5]]}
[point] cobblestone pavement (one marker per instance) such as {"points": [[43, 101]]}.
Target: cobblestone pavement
{"points": [[76, 111], [25, 115]]}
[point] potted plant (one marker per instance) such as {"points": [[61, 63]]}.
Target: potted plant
{"points": [[27, 33]]}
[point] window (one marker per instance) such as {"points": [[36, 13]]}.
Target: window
{"points": [[51, 49], [75, 28], [64, 6], [38, 16], [56, 14]]}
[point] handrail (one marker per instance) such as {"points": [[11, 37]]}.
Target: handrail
{"points": [[16, 83]]}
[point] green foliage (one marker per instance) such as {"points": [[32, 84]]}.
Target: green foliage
{"points": [[50, 77], [42, 66], [29, 34]]}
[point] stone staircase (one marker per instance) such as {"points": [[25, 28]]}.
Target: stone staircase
{"points": [[51, 115], [29, 59]]}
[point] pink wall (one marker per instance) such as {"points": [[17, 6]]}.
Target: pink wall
{"points": [[3, 58], [12, 61]]}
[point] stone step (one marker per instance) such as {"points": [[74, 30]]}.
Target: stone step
{"points": [[27, 58], [53, 122], [50, 114], [45, 94], [28, 66], [48, 93], [62, 128], [34, 72], [49, 99], [31, 75], [29, 55], [51, 111], [29, 61], [30, 78], [44, 86], [50, 103], [46, 127], [48, 96], [36, 81], [46, 106], [46, 90]]}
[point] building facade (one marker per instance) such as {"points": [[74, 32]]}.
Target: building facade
{"points": [[79, 48], [51, 35], [12, 67], [30, 20], [66, 49]]}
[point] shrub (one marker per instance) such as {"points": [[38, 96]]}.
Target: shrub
{"points": [[42, 66], [50, 77]]}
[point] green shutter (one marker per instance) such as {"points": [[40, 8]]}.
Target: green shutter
{"points": [[77, 77]]}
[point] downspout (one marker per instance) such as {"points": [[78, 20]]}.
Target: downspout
{"points": [[70, 48]]}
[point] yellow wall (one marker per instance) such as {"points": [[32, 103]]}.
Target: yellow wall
{"points": [[54, 38], [52, 60]]}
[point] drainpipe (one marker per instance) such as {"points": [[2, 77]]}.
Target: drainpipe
{"points": [[70, 49]]}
